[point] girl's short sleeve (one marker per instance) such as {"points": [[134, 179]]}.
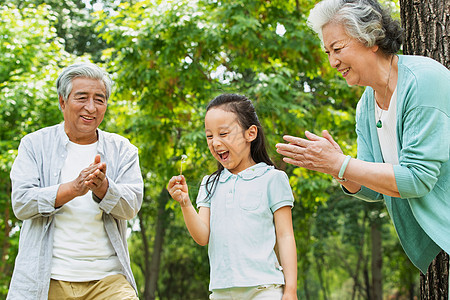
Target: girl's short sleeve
{"points": [[279, 191], [202, 198]]}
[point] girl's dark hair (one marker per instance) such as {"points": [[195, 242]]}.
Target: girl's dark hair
{"points": [[245, 112]]}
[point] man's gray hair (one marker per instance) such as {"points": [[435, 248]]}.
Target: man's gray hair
{"points": [[81, 70]]}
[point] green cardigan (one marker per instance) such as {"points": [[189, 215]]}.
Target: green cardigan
{"points": [[421, 215]]}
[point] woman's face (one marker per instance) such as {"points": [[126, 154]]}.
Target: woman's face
{"points": [[348, 55]]}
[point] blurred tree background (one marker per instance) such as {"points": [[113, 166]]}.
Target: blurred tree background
{"points": [[168, 60]]}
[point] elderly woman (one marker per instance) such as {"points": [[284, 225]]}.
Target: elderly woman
{"points": [[402, 124]]}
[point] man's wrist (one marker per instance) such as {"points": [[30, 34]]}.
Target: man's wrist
{"points": [[101, 191]]}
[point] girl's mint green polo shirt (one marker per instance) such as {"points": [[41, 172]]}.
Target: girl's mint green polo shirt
{"points": [[242, 231]]}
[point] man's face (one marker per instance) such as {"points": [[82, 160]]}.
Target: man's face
{"points": [[84, 110]]}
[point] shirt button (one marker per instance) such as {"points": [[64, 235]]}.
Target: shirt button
{"points": [[55, 174]]}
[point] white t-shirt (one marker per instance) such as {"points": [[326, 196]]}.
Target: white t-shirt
{"points": [[81, 248], [387, 134]]}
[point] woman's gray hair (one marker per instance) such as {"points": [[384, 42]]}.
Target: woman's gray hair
{"points": [[82, 70], [364, 20]]}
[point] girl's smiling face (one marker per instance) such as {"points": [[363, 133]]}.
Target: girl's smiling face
{"points": [[228, 142]]}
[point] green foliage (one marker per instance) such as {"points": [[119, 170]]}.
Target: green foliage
{"points": [[72, 23], [30, 58]]}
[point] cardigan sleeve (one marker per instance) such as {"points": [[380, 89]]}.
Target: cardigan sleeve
{"points": [[425, 147], [425, 139]]}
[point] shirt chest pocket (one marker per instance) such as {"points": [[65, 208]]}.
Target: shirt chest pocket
{"points": [[250, 200]]}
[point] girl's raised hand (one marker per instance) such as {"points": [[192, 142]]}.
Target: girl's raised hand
{"points": [[178, 189]]}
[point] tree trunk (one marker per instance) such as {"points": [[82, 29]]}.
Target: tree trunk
{"points": [[322, 281], [5, 268], [434, 284], [145, 268], [427, 26], [377, 261], [367, 285], [305, 288], [160, 230]]}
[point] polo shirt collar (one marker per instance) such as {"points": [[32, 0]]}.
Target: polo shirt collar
{"points": [[248, 174]]}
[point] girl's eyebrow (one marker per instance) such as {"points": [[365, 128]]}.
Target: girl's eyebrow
{"points": [[220, 127], [231, 125], [225, 126]]}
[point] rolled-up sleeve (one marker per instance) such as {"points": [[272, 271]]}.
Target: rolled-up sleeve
{"points": [[123, 198], [29, 198]]}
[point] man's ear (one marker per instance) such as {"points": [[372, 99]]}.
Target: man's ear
{"points": [[251, 133], [62, 103]]}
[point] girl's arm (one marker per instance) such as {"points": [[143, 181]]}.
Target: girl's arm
{"points": [[287, 250], [196, 223]]}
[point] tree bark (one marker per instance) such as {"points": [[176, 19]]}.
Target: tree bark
{"points": [[4, 266], [377, 261], [434, 284], [145, 267], [153, 266], [322, 281], [427, 27]]}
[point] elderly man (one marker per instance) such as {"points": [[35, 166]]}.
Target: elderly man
{"points": [[75, 186]]}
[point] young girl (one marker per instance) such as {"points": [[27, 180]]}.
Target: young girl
{"points": [[244, 208]]}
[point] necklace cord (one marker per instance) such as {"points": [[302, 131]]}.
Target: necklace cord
{"points": [[379, 123]]}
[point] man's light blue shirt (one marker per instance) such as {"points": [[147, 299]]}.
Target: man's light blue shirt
{"points": [[35, 181], [242, 231]]}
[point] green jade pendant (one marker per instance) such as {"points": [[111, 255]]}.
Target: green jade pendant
{"points": [[379, 124]]}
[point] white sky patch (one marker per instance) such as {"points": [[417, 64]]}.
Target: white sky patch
{"points": [[135, 226], [218, 72], [280, 29], [97, 6], [223, 75], [87, 3], [13, 230], [306, 87]]}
